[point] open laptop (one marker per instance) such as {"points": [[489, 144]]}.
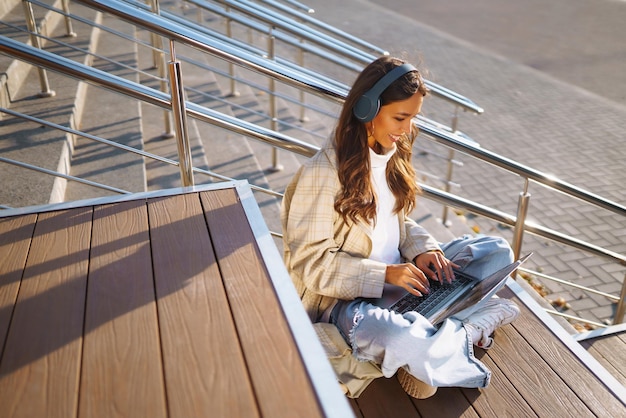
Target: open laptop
{"points": [[458, 299]]}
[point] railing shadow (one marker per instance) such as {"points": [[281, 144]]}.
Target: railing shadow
{"points": [[65, 298]]}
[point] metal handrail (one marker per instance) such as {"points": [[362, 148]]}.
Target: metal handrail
{"points": [[51, 61], [64, 176], [45, 59], [84, 51], [521, 224], [508, 219], [300, 69], [172, 31], [277, 21], [257, 12], [113, 144], [306, 17], [317, 37], [149, 95], [458, 143], [290, 75], [208, 32], [283, 70], [341, 87], [243, 45], [566, 283], [299, 5], [246, 46]]}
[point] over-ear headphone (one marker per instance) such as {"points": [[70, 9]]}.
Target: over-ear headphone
{"points": [[368, 105]]}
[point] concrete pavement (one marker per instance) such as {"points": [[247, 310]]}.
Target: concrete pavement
{"points": [[580, 42]]}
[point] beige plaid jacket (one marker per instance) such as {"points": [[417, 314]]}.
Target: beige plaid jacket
{"points": [[326, 256]]}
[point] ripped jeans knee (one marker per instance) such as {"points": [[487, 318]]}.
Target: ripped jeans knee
{"points": [[437, 356], [369, 329]]}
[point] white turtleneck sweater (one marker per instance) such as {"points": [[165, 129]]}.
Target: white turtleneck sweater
{"points": [[386, 234]]}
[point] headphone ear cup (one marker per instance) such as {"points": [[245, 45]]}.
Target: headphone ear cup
{"points": [[366, 108]]}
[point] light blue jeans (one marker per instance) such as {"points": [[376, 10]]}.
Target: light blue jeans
{"points": [[439, 356]]}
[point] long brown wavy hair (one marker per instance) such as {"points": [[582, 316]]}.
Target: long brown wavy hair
{"points": [[357, 198]]}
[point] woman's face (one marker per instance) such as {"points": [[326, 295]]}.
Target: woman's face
{"points": [[392, 121]]}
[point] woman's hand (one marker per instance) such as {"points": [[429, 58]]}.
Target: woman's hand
{"points": [[409, 277], [436, 266], [414, 278]]}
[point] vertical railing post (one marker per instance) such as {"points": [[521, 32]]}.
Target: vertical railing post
{"points": [[199, 15], [69, 30], [180, 118], [155, 40], [303, 116], [455, 122], [231, 67], [158, 57], [168, 132], [520, 221], [34, 38], [276, 166], [619, 311]]}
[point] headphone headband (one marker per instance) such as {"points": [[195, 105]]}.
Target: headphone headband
{"points": [[367, 107]]}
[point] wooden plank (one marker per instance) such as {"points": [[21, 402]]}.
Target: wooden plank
{"points": [[447, 402], [15, 237], [610, 351], [619, 363], [533, 377], [204, 365], [122, 373], [40, 365], [276, 368], [355, 408], [538, 384], [500, 398], [385, 398]]}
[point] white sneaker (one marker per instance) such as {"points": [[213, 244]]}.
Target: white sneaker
{"points": [[495, 313]]}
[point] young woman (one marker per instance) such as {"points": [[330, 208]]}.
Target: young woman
{"points": [[346, 233]]}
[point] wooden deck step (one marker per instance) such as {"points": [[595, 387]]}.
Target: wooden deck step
{"points": [[534, 373], [609, 350], [154, 305]]}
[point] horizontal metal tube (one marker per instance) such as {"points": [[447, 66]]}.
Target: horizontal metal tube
{"points": [[122, 147], [345, 49], [149, 95], [277, 21], [461, 144], [507, 219], [306, 17], [570, 284], [69, 67], [307, 80], [300, 6], [173, 31], [65, 176], [143, 18], [257, 51]]}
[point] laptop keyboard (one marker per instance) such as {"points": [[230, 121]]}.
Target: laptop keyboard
{"points": [[438, 292]]}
